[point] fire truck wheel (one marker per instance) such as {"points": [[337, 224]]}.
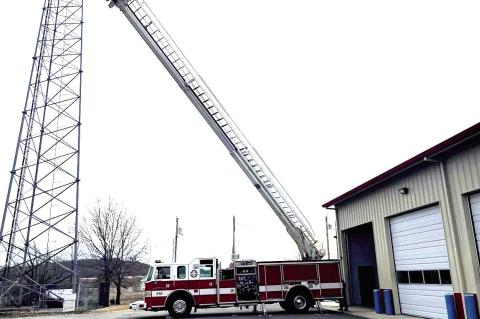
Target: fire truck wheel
{"points": [[298, 302], [179, 306]]}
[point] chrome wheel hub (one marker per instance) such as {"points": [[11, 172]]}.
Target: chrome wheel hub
{"points": [[300, 302], [179, 306]]}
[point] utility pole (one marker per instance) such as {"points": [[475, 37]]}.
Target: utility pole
{"points": [[327, 226], [175, 241], [235, 256]]}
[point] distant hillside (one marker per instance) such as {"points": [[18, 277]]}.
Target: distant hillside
{"points": [[89, 268]]}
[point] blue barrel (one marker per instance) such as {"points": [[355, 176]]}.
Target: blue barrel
{"points": [[471, 307], [377, 301], [388, 300], [451, 309]]}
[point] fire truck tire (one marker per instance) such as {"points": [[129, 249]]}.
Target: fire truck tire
{"points": [[179, 306], [298, 301]]}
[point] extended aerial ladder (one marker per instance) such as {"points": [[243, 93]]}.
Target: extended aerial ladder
{"points": [[162, 45]]}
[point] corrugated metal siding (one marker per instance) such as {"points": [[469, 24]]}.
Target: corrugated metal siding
{"points": [[463, 171], [425, 188]]}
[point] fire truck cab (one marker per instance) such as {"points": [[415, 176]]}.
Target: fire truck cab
{"points": [[296, 285]]}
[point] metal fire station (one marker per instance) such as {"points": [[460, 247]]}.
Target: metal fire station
{"points": [[415, 229]]}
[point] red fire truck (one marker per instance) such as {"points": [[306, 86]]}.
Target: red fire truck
{"points": [[295, 285]]}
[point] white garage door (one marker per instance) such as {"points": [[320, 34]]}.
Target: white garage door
{"points": [[475, 207], [421, 262]]}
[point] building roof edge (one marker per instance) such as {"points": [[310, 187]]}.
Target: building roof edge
{"points": [[408, 164]]}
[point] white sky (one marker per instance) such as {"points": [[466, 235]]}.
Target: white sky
{"points": [[330, 93]]}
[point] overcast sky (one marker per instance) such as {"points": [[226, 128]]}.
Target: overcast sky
{"points": [[331, 93]]}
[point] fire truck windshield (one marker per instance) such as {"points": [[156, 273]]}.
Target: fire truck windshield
{"points": [[149, 274]]}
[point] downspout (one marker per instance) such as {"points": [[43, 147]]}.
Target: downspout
{"points": [[337, 232], [340, 257], [451, 222]]}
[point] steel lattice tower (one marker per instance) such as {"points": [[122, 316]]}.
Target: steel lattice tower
{"points": [[38, 234]]}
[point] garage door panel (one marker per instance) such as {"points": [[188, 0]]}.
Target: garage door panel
{"points": [[418, 215], [477, 225], [434, 235], [416, 231], [433, 290], [475, 206], [475, 199], [475, 210], [433, 303], [420, 245], [428, 221], [424, 300], [424, 264], [425, 312], [427, 253], [418, 241]]}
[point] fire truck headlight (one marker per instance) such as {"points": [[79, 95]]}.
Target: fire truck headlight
{"points": [[148, 294]]}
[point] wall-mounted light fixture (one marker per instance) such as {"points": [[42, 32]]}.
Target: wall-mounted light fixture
{"points": [[403, 190]]}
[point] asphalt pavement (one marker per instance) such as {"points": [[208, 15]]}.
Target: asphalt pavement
{"points": [[272, 311]]}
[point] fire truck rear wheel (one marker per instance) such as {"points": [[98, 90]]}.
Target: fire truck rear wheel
{"points": [[298, 302], [179, 306]]}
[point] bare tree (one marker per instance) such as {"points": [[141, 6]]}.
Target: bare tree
{"points": [[131, 248], [112, 237]]}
